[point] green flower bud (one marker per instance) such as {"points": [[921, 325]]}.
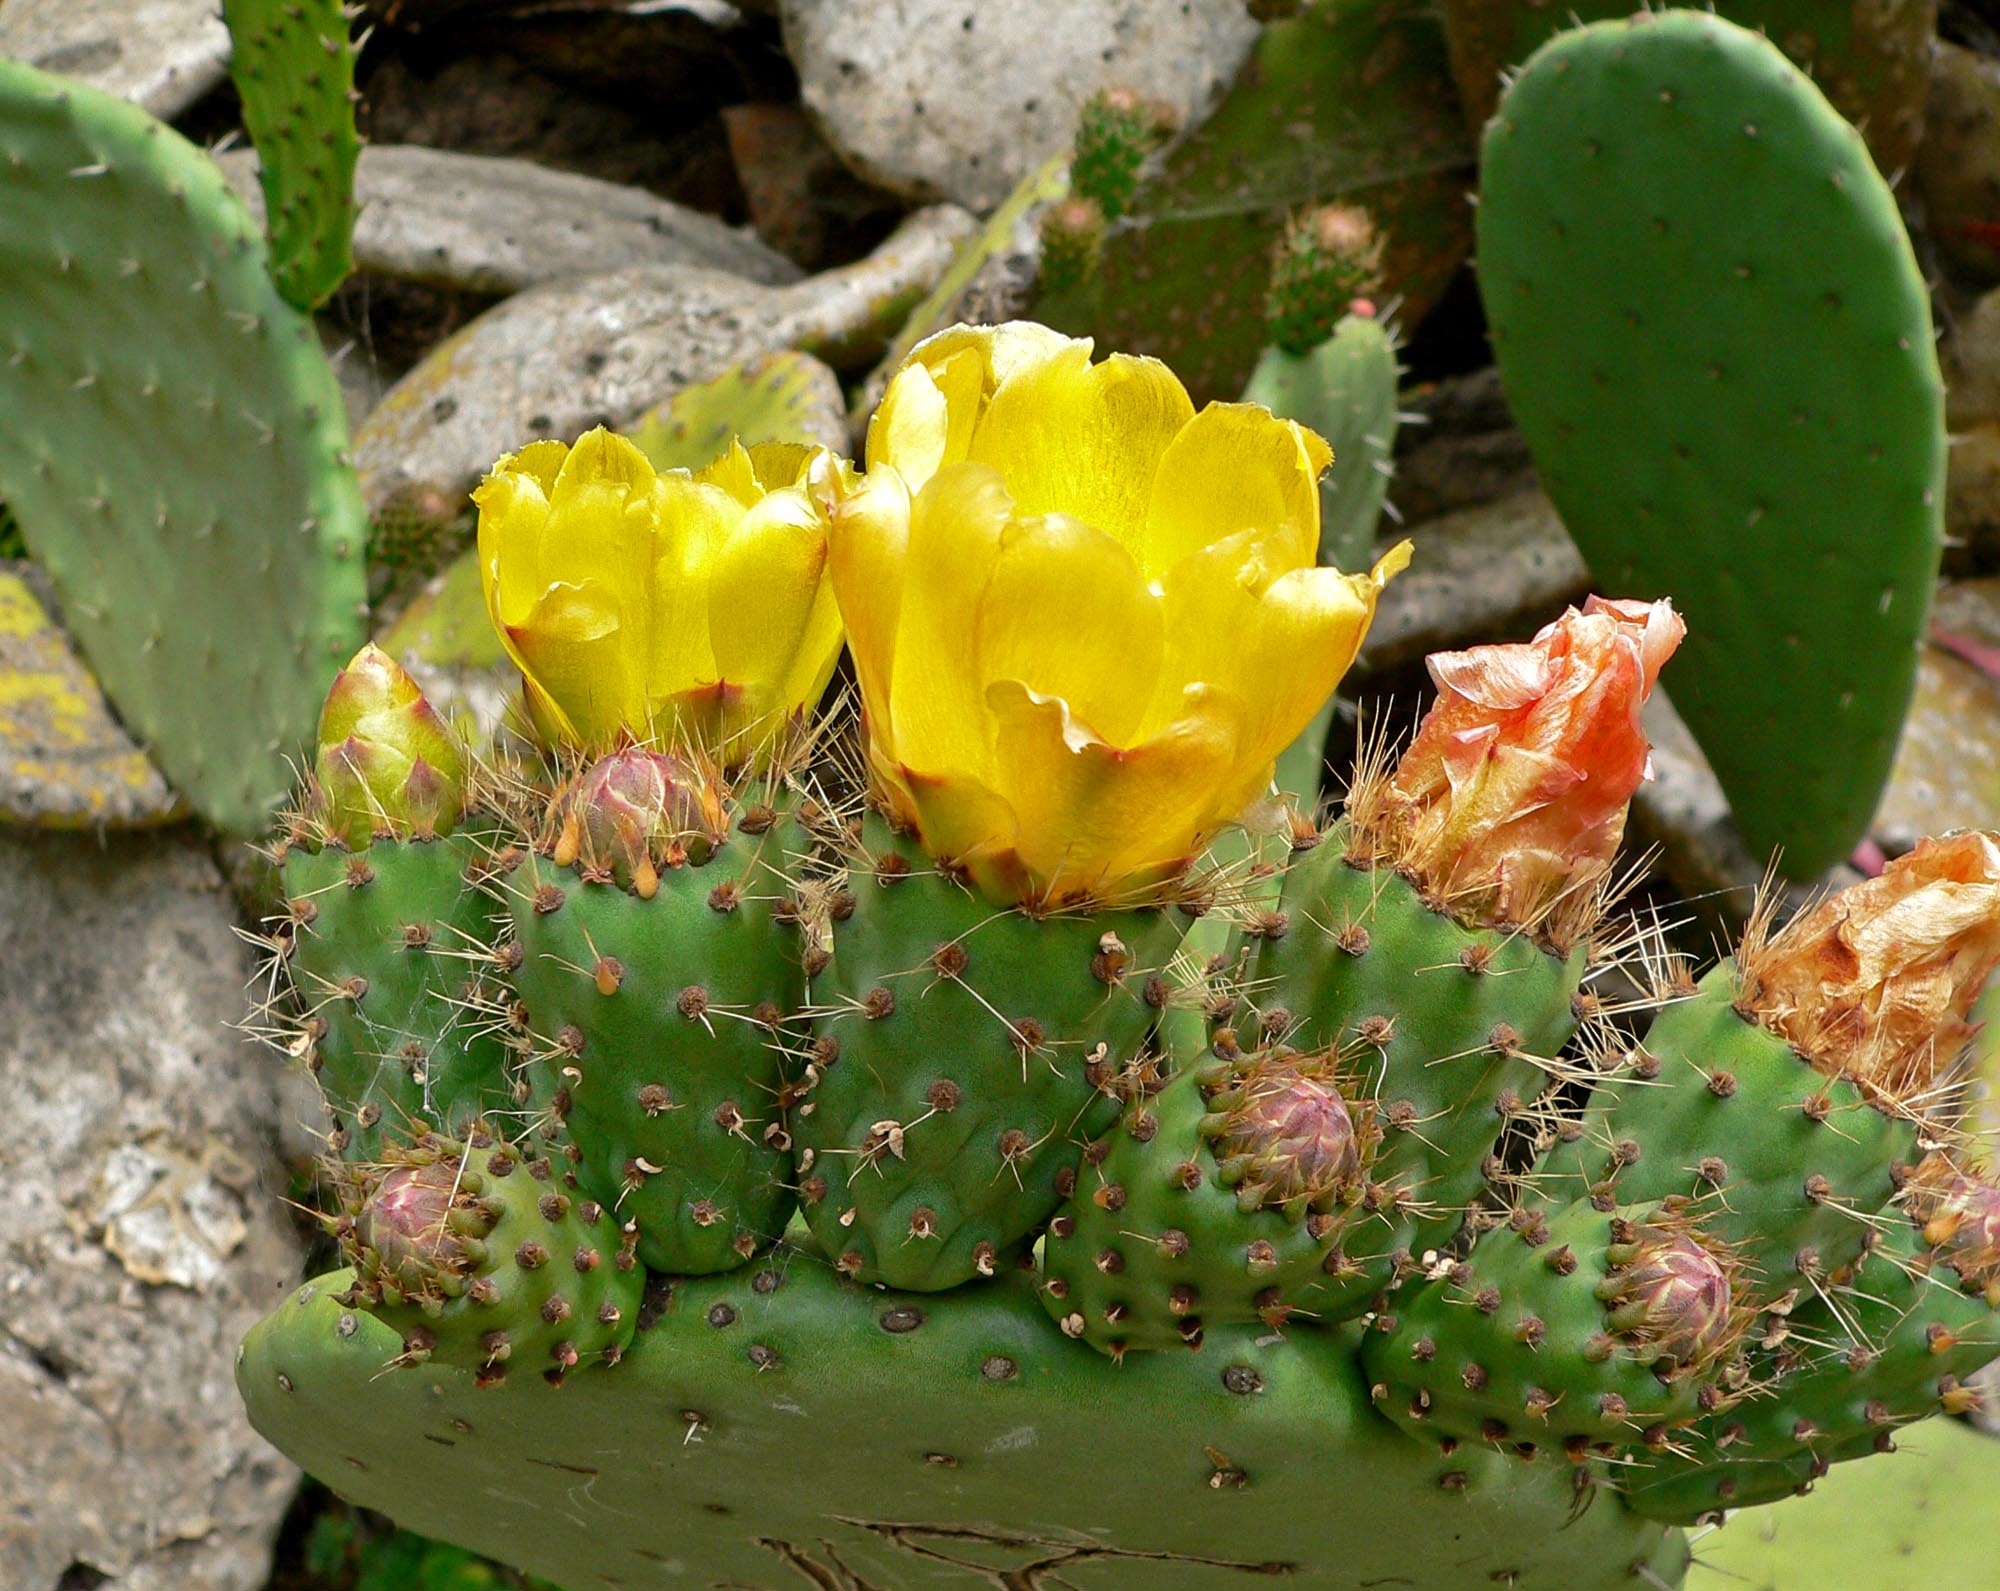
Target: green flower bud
{"points": [[387, 764]]}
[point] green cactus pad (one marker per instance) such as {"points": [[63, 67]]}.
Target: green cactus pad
{"points": [[398, 997], [776, 1428], [1851, 1370], [481, 1254], [1784, 1163], [963, 1055], [1345, 389], [173, 443], [1451, 1029], [1346, 101], [1718, 343], [293, 65], [1165, 1239], [1518, 1346], [1872, 61], [661, 1025], [779, 397]]}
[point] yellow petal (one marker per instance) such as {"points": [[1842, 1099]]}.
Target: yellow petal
{"points": [[1070, 437], [733, 472], [1068, 614], [541, 462], [936, 702], [766, 593], [911, 426], [1096, 818], [691, 521], [573, 648], [1237, 467], [513, 512], [958, 820], [868, 538], [997, 351]]}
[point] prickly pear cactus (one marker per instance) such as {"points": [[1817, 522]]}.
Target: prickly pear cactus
{"points": [[293, 65], [172, 443], [1664, 203], [1346, 101], [1872, 61], [777, 397], [950, 1440]]}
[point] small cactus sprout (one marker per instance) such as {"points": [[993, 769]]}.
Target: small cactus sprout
{"points": [[1072, 242], [1670, 1297], [387, 763], [1115, 132], [1512, 798], [1877, 982], [635, 812], [1282, 1134], [1327, 259]]}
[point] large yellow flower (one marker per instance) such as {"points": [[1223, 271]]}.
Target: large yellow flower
{"points": [[662, 605], [1084, 618]]}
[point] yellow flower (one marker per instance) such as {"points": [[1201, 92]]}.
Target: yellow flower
{"points": [[661, 605], [1085, 619]]}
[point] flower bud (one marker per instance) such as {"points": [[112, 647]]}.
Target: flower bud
{"points": [[1670, 1297], [387, 763], [1513, 794], [1327, 258], [637, 812], [1877, 982], [1282, 1134], [1961, 1220]]}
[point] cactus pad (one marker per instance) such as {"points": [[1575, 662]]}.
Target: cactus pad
{"points": [[777, 1427], [1673, 225], [173, 443], [777, 397], [293, 65]]}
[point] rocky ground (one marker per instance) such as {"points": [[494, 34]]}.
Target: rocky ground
{"points": [[569, 212]]}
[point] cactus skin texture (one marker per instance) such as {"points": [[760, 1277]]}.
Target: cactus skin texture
{"points": [[778, 397], [1449, 1028], [1872, 61], [962, 1057], [903, 1418], [1346, 101], [1345, 389], [483, 1255], [172, 442], [293, 65], [659, 1014], [1219, 1201], [1673, 198]]}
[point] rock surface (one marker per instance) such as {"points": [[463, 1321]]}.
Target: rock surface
{"points": [[163, 55], [584, 351], [139, 1237], [954, 99], [1947, 769], [489, 224]]}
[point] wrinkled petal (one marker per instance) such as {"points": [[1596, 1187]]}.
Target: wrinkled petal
{"points": [[1070, 437], [1095, 819], [1067, 612], [1237, 467]]}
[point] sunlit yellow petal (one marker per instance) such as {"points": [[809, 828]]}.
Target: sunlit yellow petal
{"points": [[1094, 819], [732, 471], [572, 647], [540, 462], [777, 465], [936, 701], [997, 351], [910, 426], [694, 521], [513, 511], [1070, 437], [868, 538], [766, 589], [1237, 467], [1068, 613]]}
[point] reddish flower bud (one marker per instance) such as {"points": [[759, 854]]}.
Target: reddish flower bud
{"points": [[1282, 1134], [636, 812], [1513, 794], [1670, 1298]]}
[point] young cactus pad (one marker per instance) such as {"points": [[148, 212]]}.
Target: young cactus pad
{"points": [[779, 1427], [1718, 343], [172, 442], [293, 65]]}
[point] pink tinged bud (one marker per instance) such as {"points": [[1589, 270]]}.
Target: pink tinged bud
{"points": [[1961, 1220], [387, 763], [1514, 792], [1281, 1134], [1670, 1299], [1877, 982], [637, 812]]}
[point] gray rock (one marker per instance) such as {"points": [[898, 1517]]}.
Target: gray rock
{"points": [[139, 1237], [954, 99], [163, 55], [1947, 769], [591, 350], [1482, 574], [493, 225]]}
